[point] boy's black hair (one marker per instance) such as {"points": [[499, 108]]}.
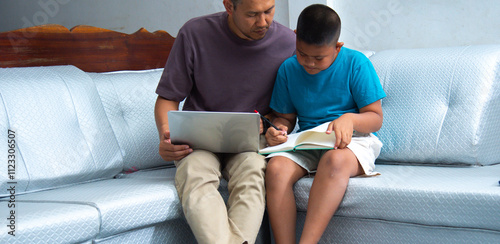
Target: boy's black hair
{"points": [[319, 25]]}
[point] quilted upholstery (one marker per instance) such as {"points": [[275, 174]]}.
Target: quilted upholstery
{"points": [[343, 230], [63, 135], [124, 204], [442, 105], [461, 197], [171, 231], [50, 222], [128, 98]]}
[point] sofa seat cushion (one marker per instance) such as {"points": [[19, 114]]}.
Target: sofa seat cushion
{"points": [[52, 222], [352, 230], [124, 204], [169, 172], [461, 197], [171, 231]]}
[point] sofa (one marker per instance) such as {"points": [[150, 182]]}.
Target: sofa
{"points": [[81, 164]]}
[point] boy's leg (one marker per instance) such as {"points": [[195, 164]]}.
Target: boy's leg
{"points": [[328, 188], [281, 174], [197, 181], [246, 203]]}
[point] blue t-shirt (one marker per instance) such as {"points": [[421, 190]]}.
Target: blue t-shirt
{"points": [[349, 84]]}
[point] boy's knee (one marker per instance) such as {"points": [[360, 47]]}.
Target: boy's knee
{"points": [[275, 166], [279, 170], [337, 161], [334, 160]]}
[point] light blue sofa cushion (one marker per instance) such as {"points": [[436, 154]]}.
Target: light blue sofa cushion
{"points": [[129, 98], [171, 231], [442, 105], [124, 204], [440, 197], [14, 173], [49, 222], [62, 133]]}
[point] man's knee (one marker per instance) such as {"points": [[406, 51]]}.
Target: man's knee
{"points": [[198, 167], [199, 161], [247, 163], [246, 167]]}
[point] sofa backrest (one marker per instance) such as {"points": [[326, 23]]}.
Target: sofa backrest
{"points": [[61, 131], [129, 98], [442, 105]]}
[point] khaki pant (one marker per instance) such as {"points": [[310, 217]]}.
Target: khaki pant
{"points": [[197, 180]]}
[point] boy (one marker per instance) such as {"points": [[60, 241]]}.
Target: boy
{"points": [[324, 82]]}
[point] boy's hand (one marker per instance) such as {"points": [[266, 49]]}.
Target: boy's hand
{"points": [[343, 128], [169, 151], [275, 137]]}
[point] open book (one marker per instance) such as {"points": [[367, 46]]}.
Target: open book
{"points": [[315, 138]]}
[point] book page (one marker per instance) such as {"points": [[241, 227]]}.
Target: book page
{"points": [[315, 138], [286, 146]]}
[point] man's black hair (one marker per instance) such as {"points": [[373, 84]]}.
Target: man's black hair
{"points": [[235, 3], [318, 24]]}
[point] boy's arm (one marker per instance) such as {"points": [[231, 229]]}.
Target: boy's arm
{"points": [[368, 120], [284, 122]]}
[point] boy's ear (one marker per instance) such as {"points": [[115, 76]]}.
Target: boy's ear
{"points": [[339, 45], [295, 31]]}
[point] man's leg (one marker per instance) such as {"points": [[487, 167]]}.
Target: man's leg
{"points": [[246, 203], [197, 180], [328, 188], [281, 175]]}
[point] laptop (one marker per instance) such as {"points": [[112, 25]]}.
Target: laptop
{"points": [[219, 132]]}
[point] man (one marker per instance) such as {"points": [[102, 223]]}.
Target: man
{"points": [[222, 62]]}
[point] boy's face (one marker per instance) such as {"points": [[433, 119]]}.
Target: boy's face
{"points": [[317, 58], [250, 20]]}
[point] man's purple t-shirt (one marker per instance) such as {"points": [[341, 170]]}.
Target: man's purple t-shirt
{"points": [[218, 71]]}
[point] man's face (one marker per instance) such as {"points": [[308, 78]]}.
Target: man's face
{"points": [[250, 19], [315, 58]]}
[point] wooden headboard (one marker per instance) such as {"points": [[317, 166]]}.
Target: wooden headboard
{"points": [[89, 48]]}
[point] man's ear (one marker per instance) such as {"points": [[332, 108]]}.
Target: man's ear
{"points": [[228, 4], [295, 31]]}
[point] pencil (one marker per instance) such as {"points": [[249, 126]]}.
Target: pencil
{"points": [[267, 121]]}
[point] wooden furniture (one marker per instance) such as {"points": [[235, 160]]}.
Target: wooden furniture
{"points": [[89, 48]]}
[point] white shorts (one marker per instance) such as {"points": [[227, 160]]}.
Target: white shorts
{"points": [[366, 148]]}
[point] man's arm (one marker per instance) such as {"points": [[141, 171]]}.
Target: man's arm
{"points": [[167, 150], [162, 106]]}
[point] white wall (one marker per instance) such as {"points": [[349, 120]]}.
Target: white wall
{"points": [[367, 24], [119, 15], [390, 24]]}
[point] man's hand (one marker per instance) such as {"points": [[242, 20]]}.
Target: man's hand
{"points": [[275, 137], [169, 151], [261, 129]]}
